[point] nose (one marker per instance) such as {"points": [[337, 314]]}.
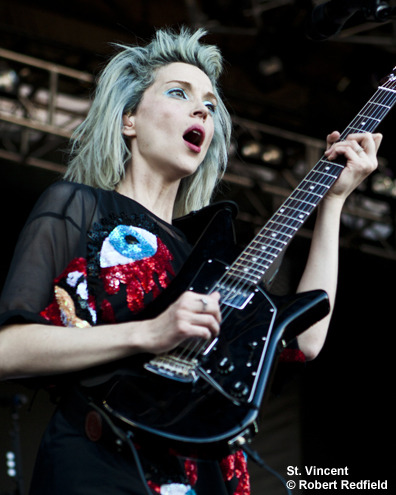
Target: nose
{"points": [[201, 111]]}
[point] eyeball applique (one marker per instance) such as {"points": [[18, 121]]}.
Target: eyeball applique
{"points": [[139, 260], [127, 244]]}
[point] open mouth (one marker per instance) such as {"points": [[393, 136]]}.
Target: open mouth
{"points": [[194, 137]]}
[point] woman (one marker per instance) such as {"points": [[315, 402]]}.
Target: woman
{"points": [[99, 246]]}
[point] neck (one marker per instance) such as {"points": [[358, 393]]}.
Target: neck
{"points": [[151, 192]]}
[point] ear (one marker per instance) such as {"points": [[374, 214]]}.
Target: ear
{"points": [[128, 128]]}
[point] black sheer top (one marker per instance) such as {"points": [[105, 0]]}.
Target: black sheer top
{"points": [[88, 256]]}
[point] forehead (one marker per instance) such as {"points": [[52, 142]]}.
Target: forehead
{"points": [[179, 71]]}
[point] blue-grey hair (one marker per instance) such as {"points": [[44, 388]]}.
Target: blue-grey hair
{"points": [[99, 151]]}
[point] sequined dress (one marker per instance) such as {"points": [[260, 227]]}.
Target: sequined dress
{"points": [[88, 257]]}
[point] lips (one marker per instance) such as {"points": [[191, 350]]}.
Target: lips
{"points": [[194, 137]]}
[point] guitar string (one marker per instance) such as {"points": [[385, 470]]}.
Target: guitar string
{"points": [[374, 111]]}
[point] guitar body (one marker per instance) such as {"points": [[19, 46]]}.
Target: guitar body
{"points": [[221, 399], [205, 416]]}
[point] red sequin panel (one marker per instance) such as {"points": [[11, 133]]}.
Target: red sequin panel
{"points": [[140, 277], [153, 486], [191, 469], [108, 312], [235, 465]]}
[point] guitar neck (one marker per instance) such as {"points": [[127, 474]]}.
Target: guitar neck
{"points": [[275, 236]]}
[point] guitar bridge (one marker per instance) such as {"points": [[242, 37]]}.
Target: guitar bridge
{"points": [[174, 367]]}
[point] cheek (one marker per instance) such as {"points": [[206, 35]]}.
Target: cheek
{"points": [[209, 136]]}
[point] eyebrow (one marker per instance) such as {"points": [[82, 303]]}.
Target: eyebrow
{"points": [[209, 94]]}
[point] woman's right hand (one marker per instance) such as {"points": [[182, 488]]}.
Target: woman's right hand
{"points": [[191, 315]]}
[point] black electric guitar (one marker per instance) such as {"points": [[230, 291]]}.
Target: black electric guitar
{"points": [[205, 396]]}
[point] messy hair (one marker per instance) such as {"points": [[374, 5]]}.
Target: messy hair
{"points": [[99, 151]]}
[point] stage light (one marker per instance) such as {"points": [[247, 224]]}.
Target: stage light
{"points": [[11, 464], [263, 154], [383, 184], [271, 155], [9, 81]]}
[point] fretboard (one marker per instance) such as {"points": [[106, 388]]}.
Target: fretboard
{"points": [[272, 240]]}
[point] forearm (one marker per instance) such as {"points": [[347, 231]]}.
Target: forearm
{"points": [[360, 151], [321, 271], [34, 349]]}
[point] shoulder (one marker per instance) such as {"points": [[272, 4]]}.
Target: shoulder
{"points": [[62, 193], [62, 197]]}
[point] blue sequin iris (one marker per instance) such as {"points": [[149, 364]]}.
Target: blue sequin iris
{"points": [[133, 242]]}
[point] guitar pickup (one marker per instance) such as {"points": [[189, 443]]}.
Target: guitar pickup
{"points": [[234, 297]]}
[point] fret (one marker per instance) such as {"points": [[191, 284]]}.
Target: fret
{"points": [[283, 225], [245, 277], [249, 274], [296, 205], [252, 258], [310, 190], [278, 238], [303, 201], [380, 112], [261, 250], [238, 270], [302, 215], [250, 270], [330, 167], [300, 218], [388, 89], [314, 188], [294, 223], [377, 106], [309, 199], [359, 129], [369, 117], [364, 124]]}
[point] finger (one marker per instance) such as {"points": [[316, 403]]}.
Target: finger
{"points": [[377, 140], [207, 324], [209, 304], [354, 146], [365, 139], [332, 138]]}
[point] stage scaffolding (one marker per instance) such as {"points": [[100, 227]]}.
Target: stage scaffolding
{"points": [[41, 103]]}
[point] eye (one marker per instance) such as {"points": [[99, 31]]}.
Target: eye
{"points": [[210, 106], [177, 93]]}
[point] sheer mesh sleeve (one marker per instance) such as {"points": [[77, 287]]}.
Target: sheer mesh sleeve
{"points": [[54, 234]]}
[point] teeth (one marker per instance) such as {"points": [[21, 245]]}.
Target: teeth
{"points": [[194, 137]]}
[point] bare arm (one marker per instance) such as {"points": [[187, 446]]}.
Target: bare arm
{"points": [[321, 271], [35, 349]]}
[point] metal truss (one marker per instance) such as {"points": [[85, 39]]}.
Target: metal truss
{"points": [[266, 164]]}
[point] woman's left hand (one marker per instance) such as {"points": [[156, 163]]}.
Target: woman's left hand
{"points": [[360, 151]]}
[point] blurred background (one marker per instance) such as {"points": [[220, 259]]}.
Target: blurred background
{"points": [[295, 71]]}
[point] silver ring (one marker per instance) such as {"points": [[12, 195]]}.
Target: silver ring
{"points": [[360, 150], [204, 302]]}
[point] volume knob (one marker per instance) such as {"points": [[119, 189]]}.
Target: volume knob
{"points": [[225, 366], [240, 389]]}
